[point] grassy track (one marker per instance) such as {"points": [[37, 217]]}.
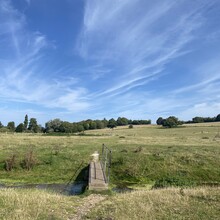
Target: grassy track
{"points": [[142, 155]]}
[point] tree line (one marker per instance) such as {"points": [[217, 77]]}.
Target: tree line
{"points": [[173, 121], [57, 125]]}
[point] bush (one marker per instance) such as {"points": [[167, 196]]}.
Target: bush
{"points": [[171, 122], [10, 163], [29, 161], [130, 126]]}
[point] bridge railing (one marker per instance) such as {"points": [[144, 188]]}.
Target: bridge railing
{"points": [[106, 159]]}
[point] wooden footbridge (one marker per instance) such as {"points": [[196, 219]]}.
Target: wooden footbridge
{"points": [[99, 170]]}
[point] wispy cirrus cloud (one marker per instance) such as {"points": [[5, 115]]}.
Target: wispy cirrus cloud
{"points": [[139, 40], [133, 58], [132, 37], [22, 77]]}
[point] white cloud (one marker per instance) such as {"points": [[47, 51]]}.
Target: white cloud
{"points": [[201, 109], [21, 74], [73, 101], [131, 36]]}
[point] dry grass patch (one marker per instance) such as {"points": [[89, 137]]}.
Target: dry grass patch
{"points": [[173, 203], [32, 204]]}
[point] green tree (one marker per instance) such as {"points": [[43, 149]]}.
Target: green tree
{"points": [[25, 122], [20, 128], [171, 122], [159, 121], [11, 126], [105, 122], [217, 117], [80, 128], [198, 120], [112, 123], [53, 125], [92, 125], [86, 125], [122, 121], [99, 124], [33, 126]]}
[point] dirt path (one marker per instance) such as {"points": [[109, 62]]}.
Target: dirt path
{"points": [[88, 203]]}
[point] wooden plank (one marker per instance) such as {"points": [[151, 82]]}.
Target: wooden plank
{"points": [[96, 177]]}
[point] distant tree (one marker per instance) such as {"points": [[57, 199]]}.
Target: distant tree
{"points": [[112, 123], [129, 121], [198, 119], [92, 125], [135, 122], [11, 126], [122, 121], [66, 127], [41, 129], [20, 128], [86, 125], [53, 125], [145, 122], [99, 124], [25, 122], [171, 122], [74, 127], [33, 126], [80, 128], [1, 125], [105, 122], [217, 117], [159, 121]]}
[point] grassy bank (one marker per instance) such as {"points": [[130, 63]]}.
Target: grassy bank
{"points": [[35, 205], [170, 203], [197, 204], [183, 156]]}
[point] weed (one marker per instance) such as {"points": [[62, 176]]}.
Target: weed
{"points": [[29, 161], [10, 163], [139, 149]]}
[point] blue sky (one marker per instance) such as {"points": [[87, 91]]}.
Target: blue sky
{"points": [[80, 59]]}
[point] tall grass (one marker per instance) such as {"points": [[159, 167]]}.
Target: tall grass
{"points": [[172, 203], [32, 204]]}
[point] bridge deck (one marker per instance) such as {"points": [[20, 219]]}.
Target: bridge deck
{"points": [[96, 177]]}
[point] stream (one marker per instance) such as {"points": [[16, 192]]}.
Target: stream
{"points": [[70, 189]]}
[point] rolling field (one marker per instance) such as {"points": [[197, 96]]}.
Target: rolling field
{"points": [[181, 166], [142, 155]]}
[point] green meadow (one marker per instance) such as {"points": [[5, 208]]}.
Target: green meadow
{"points": [[172, 173], [188, 155]]}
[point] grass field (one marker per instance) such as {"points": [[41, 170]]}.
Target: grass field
{"points": [[143, 155]]}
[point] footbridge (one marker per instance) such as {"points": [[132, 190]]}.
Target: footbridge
{"points": [[99, 169]]}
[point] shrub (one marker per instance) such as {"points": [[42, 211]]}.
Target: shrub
{"points": [[130, 126], [29, 161], [171, 122], [10, 163]]}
